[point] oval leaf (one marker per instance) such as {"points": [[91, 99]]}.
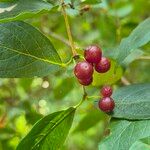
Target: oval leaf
{"points": [[124, 134], [22, 9], [132, 56], [50, 132], [25, 52], [132, 102], [138, 37]]}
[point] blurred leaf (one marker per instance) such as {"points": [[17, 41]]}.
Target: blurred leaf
{"points": [[72, 12], [91, 1], [107, 30], [132, 102], [122, 12], [22, 9], [31, 114], [13, 142], [25, 83], [142, 144], [139, 37], [141, 72], [50, 132], [32, 117], [124, 134], [110, 77], [64, 88], [25, 52], [86, 122], [54, 2], [21, 125], [6, 133]]}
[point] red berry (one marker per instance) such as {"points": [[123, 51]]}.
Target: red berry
{"points": [[103, 66], [106, 91], [85, 82], [106, 104], [93, 54], [83, 70]]}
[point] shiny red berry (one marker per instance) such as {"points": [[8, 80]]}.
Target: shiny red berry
{"points": [[106, 104], [85, 82], [106, 91], [103, 66], [83, 70], [93, 54]]}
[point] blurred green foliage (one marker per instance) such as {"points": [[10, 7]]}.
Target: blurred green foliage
{"points": [[24, 101]]}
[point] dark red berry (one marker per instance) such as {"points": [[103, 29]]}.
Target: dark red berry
{"points": [[93, 54], [106, 104], [83, 70], [106, 91], [103, 66], [85, 82]]}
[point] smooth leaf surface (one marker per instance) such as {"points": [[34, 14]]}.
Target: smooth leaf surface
{"points": [[132, 102], [132, 56], [124, 134], [22, 9], [25, 52], [50, 132], [138, 37]]}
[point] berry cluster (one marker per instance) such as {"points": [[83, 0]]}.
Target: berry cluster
{"points": [[106, 104], [93, 59]]}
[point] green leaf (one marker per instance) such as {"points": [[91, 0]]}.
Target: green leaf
{"points": [[132, 102], [25, 83], [142, 144], [110, 77], [124, 134], [22, 9], [6, 133], [138, 37], [122, 11], [50, 132], [25, 52]]}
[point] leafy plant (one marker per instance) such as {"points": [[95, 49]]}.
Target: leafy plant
{"points": [[29, 49]]}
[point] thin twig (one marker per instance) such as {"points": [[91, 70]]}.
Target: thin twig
{"points": [[68, 29], [125, 81], [93, 97], [3, 120], [56, 36], [83, 98], [144, 58], [47, 31]]}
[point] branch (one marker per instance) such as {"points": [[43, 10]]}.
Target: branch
{"points": [[83, 98], [144, 58], [56, 36], [68, 29], [125, 81]]}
